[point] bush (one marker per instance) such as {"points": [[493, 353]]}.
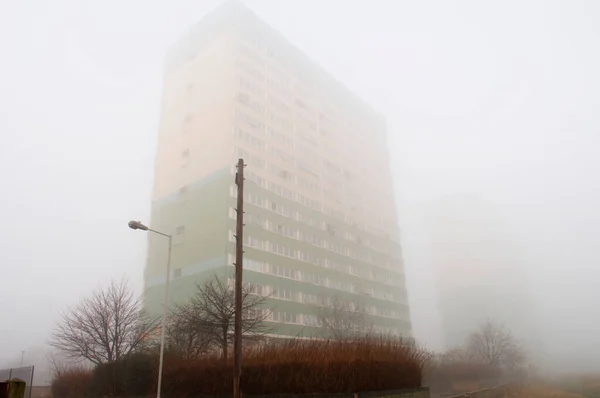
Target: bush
{"points": [[447, 376], [292, 367], [304, 367], [133, 376], [72, 383]]}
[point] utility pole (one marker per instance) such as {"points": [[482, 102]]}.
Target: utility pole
{"points": [[22, 357], [239, 255]]}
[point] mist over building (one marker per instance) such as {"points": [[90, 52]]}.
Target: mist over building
{"points": [[320, 215], [481, 271]]}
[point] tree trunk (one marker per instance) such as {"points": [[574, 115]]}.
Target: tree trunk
{"points": [[225, 343]]}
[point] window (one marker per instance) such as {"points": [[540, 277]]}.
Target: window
{"points": [[280, 209], [290, 318], [284, 230], [279, 190], [280, 137], [251, 160], [256, 179], [251, 71], [281, 173], [285, 317], [275, 118], [385, 312], [310, 258], [331, 229], [279, 105], [286, 272], [311, 320], [310, 298], [249, 138], [254, 242], [308, 138], [249, 102], [285, 294], [247, 119], [282, 250], [300, 104], [255, 200], [254, 265], [179, 236], [307, 169], [182, 194], [247, 85], [275, 86], [308, 185], [312, 278], [185, 158], [280, 155]]}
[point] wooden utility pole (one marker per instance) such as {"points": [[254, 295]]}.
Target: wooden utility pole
{"points": [[239, 256]]}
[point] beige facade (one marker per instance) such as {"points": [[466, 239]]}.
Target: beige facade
{"points": [[240, 92], [197, 108], [320, 212]]}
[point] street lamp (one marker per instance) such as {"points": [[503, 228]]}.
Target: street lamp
{"points": [[142, 227]]}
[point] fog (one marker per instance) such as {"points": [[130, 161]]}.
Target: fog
{"points": [[495, 101]]}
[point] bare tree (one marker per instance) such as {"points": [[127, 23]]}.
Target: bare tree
{"points": [[184, 336], [59, 365], [211, 313], [493, 344], [344, 319], [104, 327], [456, 355]]}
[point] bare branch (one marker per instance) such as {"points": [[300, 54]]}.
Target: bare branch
{"points": [[493, 344], [344, 319], [208, 319], [103, 327]]}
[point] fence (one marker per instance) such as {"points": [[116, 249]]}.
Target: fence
{"points": [[23, 373]]}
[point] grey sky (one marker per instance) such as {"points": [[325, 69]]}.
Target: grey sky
{"points": [[494, 98]]}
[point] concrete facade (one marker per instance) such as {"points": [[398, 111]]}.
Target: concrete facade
{"points": [[319, 206]]}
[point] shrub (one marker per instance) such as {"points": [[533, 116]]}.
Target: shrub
{"points": [[73, 382], [292, 367], [131, 376], [448, 376]]}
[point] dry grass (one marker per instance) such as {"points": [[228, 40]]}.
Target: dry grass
{"points": [[461, 377], [72, 383], [540, 392], [586, 384], [292, 367], [304, 367]]}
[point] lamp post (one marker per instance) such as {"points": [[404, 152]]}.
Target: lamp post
{"points": [[163, 323]]}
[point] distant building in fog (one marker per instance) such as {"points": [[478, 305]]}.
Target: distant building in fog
{"points": [[480, 269], [320, 212]]}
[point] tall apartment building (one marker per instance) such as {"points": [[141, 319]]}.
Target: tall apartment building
{"points": [[320, 217]]}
